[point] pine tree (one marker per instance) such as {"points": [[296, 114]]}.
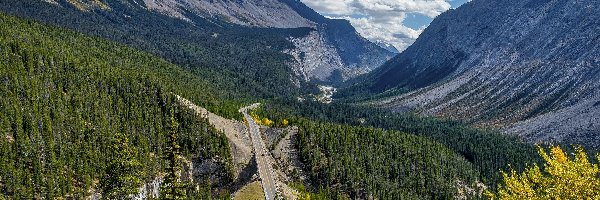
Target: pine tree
{"points": [[123, 174], [172, 188]]}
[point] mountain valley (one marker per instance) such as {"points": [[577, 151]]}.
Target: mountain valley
{"points": [[270, 99], [528, 67]]}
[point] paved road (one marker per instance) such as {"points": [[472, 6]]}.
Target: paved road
{"points": [[264, 163]]}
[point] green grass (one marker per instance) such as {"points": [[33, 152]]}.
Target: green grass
{"points": [[252, 191]]}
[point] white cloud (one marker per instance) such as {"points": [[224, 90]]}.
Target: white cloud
{"points": [[381, 20], [335, 7]]}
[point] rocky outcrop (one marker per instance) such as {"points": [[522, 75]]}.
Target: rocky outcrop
{"points": [[314, 57], [528, 67]]}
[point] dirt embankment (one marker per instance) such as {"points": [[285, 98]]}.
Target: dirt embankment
{"points": [[281, 142], [239, 141]]}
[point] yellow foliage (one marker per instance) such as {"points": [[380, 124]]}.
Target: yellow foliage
{"points": [[284, 123], [304, 196], [563, 178], [255, 117], [266, 122]]}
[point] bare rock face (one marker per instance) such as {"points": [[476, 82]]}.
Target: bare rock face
{"points": [[212, 170], [529, 67], [260, 13], [314, 57], [333, 52]]}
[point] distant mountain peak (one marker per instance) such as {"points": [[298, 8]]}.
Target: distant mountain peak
{"points": [[323, 49], [387, 46]]}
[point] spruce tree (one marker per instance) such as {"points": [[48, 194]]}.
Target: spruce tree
{"points": [[172, 188], [122, 179]]}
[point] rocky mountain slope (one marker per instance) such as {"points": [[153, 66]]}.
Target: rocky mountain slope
{"points": [[333, 51], [530, 67], [263, 13]]}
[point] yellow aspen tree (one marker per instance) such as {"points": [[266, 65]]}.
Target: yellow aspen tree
{"points": [[563, 178], [267, 122]]}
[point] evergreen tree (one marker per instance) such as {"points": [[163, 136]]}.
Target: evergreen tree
{"points": [[122, 177], [64, 94], [172, 188], [363, 162]]}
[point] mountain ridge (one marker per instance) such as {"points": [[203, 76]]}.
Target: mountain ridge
{"points": [[340, 46], [508, 70]]}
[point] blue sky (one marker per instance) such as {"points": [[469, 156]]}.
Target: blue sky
{"points": [[457, 3], [416, 20], [395, 22]]}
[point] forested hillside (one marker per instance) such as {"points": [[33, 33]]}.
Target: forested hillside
{"points": [[487, 151], [65, 95], [367, 162], [247, 62]]}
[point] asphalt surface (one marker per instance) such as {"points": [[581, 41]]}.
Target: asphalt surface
{"points": [[262, 160]]}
